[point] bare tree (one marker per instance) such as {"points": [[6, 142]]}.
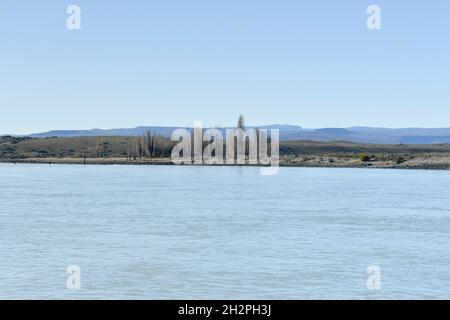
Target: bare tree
{"points": [[140, 146], [241, 123], [153, 154], [149, 142], [129, 153]]}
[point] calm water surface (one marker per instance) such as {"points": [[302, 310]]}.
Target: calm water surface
{"points": [[157, 232]]}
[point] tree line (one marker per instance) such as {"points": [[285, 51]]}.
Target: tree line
{"points": [[150, 145]]}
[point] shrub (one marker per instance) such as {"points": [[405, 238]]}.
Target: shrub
{"points": [[363, 157], [400, 160]]}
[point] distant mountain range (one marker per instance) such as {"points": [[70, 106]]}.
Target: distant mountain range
{"points": [[292, 132]]}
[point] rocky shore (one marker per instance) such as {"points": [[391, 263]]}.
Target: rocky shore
{"points": [[423, 161]]}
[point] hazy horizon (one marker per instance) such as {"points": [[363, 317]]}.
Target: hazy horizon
{"points": [[81, 128], [212, 126]]}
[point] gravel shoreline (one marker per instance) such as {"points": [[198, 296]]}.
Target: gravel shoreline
{"points": [[422, 162]]}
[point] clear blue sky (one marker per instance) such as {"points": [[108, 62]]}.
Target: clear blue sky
{"points": [[310, 63]]}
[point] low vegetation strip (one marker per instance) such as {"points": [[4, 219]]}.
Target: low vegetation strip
{"points": [[154, 149]]}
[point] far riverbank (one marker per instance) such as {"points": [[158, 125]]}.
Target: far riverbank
{"points": [[423, 161]]}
